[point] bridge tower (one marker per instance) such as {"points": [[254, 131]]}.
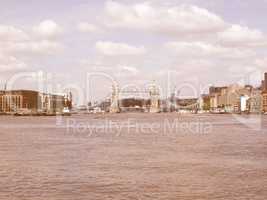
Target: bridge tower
{"points": [[115, 108], [154, 97]]}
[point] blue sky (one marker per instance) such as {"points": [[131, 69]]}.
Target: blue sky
{"points": [[200, 42]]}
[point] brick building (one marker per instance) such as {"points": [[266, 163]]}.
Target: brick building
{"points": [[14, 101]]}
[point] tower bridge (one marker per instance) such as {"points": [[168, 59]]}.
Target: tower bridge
{"points": [[149, 99], [153, 94]]}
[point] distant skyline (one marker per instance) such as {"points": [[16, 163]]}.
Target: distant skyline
{"points": [[200, 42]]}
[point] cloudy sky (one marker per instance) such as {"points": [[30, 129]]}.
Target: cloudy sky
{"points": [[174, 42]]}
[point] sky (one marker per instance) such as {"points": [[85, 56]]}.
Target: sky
{"points": [[85, 45]]}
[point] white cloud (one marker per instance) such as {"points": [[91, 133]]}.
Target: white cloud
{"points": [[47, 29], [202, 49], [45, 47], [88, 28], [15, 44], [14, 40], [129, 69], [11, 63], [113, 49], [261, 63], [10, 33], [238, 35], [184, 19]]}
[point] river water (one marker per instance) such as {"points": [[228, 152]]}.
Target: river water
{"points": [[133, 156]]}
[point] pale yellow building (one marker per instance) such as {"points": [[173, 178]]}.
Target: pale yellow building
{"points": [[228, 98], [255, 102]]}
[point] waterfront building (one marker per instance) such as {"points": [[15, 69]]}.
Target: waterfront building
{"points": [[12, 101], [245, 93], [213, 102], [204, 102], [216, 90], [264, 101], [243, 103], [265, 81], [215, 93], [229, 99], [52, 103], [264, 94], [254, 103], [28, 101]]}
